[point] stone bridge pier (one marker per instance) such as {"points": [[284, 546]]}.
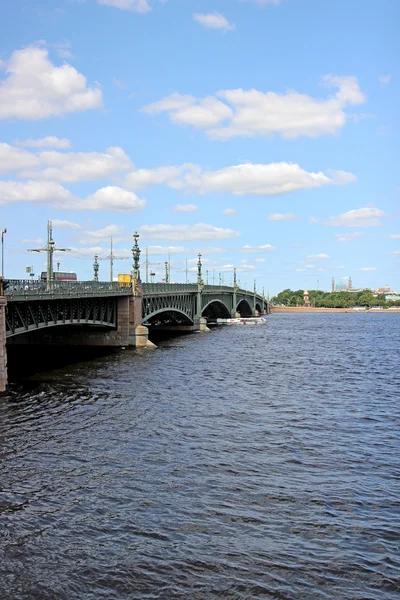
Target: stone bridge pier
{"points": [[3, 350]]}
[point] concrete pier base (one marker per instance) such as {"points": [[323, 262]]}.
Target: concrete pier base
{"points": [[142, 338], [200, 324]]}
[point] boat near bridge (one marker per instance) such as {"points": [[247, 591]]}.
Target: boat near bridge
{"points": [[243, 321]]}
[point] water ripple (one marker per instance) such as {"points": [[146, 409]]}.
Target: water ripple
{"points": [[247, 463]]}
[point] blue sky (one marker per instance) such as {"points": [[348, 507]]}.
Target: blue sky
{"points": [[263, 134]]}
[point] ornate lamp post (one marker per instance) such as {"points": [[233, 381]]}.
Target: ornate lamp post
{"points": [[96, 268], [199, 275], [235, 289], [136, 259]]}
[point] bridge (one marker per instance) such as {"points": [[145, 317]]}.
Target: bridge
{"points": [[94, 313]]}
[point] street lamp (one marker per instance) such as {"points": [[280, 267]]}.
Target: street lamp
{"points": [[3, 232]]}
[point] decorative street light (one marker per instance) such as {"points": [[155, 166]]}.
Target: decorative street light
{"points": [[136, 257], [199, 275], [96, 268]]}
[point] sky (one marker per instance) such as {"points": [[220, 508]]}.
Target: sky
{"points": [[263, 134]]}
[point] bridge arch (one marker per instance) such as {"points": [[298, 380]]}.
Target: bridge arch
{"points": [[244, 308], [259, 307], [215, 309], [168, 316]]}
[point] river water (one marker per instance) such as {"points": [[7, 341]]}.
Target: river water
{"points": [[250, 462]]}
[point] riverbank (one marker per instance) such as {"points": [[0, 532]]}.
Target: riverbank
{"points": [[302, 310]]}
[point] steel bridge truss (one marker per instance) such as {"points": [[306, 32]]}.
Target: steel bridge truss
{"points": [[22, 317], [177, 307], [178, 303]]}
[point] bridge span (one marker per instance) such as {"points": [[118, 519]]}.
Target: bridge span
{"points": [[92, 313]]}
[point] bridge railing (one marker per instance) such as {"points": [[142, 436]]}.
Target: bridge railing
{"points": [[152, 289], [29, 288]]}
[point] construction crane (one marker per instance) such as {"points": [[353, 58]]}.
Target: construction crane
{"points": [[111, 257]]}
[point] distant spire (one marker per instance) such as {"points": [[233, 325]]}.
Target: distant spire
{"points": [[333, 284]]}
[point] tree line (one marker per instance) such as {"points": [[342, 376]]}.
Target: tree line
{"points": [[342, 299]]}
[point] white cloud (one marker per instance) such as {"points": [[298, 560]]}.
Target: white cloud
{"points": [[263, 248], [282, 217], [346, 237], [50, 141], [253, 113], [36, 89], [246, 179], [314, 257], [185, 208], [368, 269], [201, 231], [14, 159], [161, 175], [395, 253], [361, 217], [72, 167], [34, 191], [213, 21], [229, 211], [394, 236], [385, 79], [185, 109], [103, 235], [113, 198], [62, 224], [139, 6], [260, 260]]}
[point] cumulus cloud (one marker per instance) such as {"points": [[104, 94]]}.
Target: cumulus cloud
{"points": [[213, 21], [50, 141], [282, 217], [185, 208], [361, 217], [111, 198], [34, 88], [246, 179], [395, 253], [139, 6], [368, 269], [253, 113], [35, 191], [201, 231], [73, 167], [186, 109], [104, 234], [14, 159], [229, 211], [62, 224], [347, 237]]}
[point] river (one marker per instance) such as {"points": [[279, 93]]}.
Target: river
{"points": [[250, 462]]}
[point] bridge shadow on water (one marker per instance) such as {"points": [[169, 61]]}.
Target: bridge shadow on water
{"points": [[27, 361]]}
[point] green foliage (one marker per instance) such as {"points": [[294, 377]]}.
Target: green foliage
{"points": [[343, 299]]}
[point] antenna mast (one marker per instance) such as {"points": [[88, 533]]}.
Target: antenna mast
{"points": [[50, 248]]}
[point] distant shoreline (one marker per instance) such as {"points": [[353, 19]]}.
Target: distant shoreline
{"points": [[302, 310]]}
